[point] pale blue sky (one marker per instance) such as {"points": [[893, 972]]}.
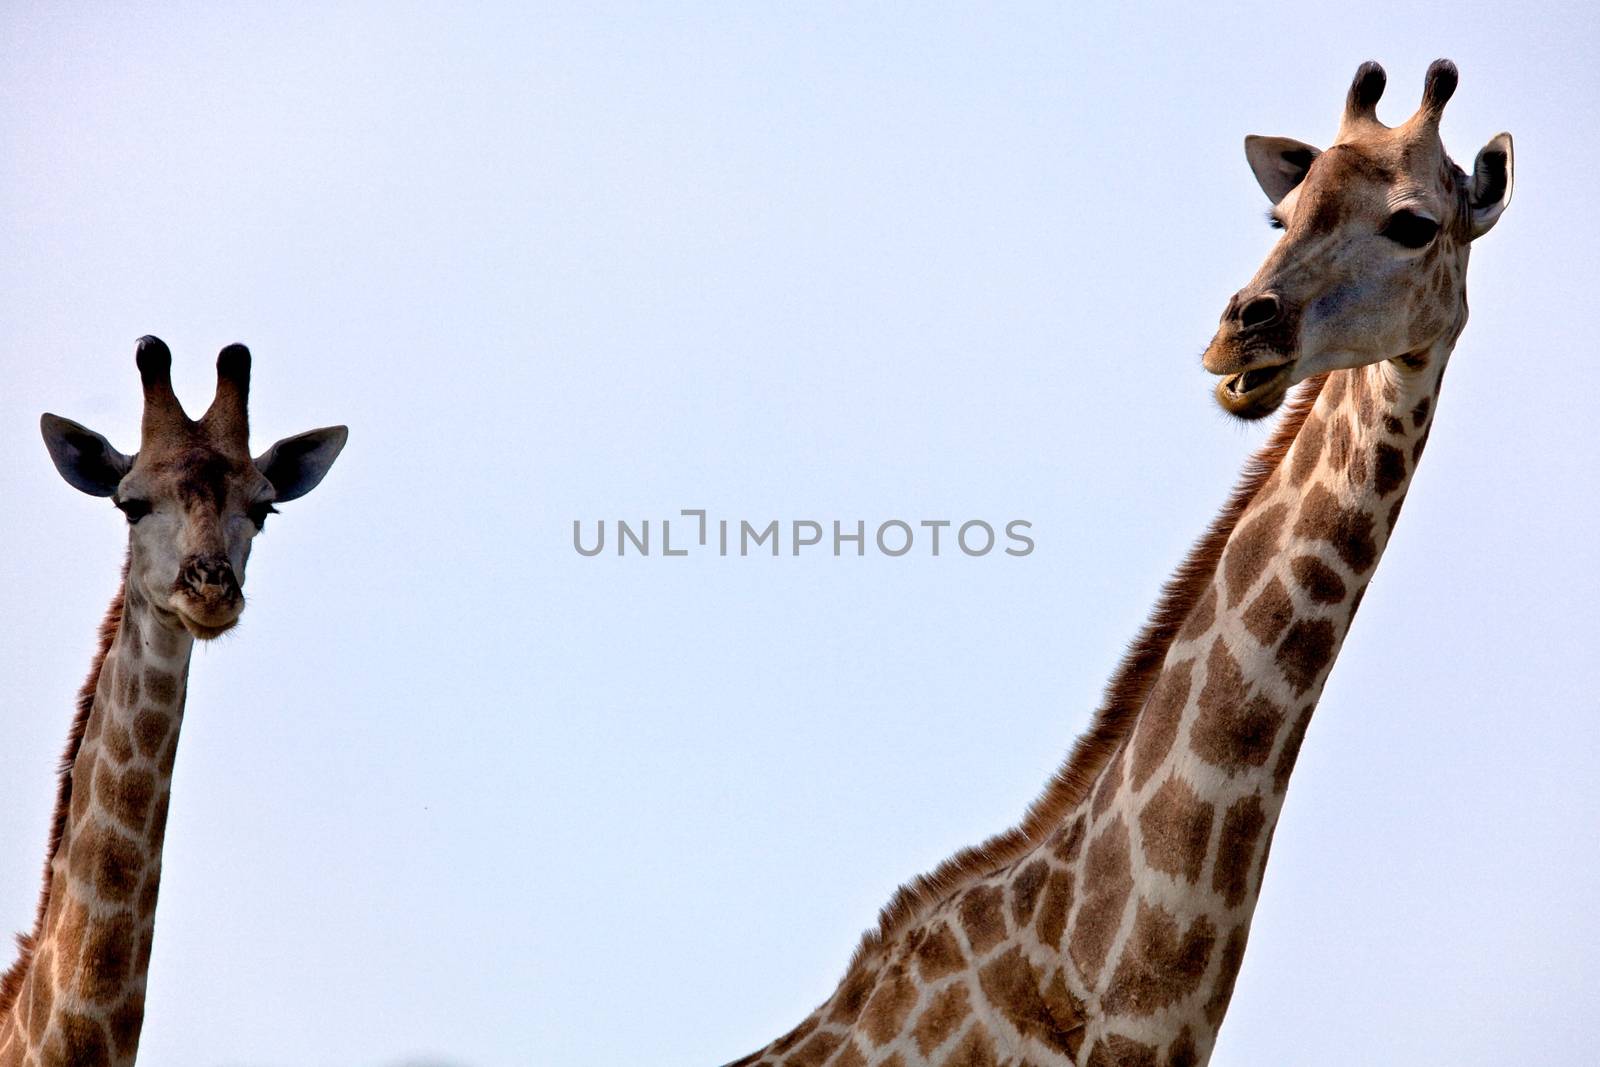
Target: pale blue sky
{"points": [[455, 793]]}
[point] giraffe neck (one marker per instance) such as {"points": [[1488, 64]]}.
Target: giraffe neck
{"points": [[1109, 928], [79, 987], [1182, 818]]}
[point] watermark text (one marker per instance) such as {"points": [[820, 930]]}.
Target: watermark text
{"points": [[693, 531]]}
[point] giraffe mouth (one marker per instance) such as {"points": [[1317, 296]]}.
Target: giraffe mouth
{"points": [[201, 628], [204, 632], [1255, 393]]}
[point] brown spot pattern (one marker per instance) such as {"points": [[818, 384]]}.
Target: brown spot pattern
{"points": [[1159, 966], [1114, 1050], [158, 822], [886, 1011], [73, 926], [127, 796], [164, 641], [169, 756], [1066, 842], [1348, 530], [1046, 1013], [41, 996], [127, 685], [149, 894], [1339, 442], [126, 1022], [1183, 1052], [1053, 913], [1390, 464], [97, 719], [975, 1050], [161, 686], [147, 942], [1320, 581], [983, 917], [1269, 613], [1158, 722], [1232, 731], [117, 742], [106, 859], [107, 959], [1291, 751], [1110, 782], [1025, 891], [1361, 390], [939, 953], [1175, 826], [1250, 549], [942, 1017], [1227, 974], [82, 786], [1419, 414], [856, 987], [1306, 650], [1240, 828], [79, 1041], [849, 1056], [1358, 468], [815, 1052], [1107, 881], [1416, 449], [1261, 863], [150, 728], [1307, 450]]}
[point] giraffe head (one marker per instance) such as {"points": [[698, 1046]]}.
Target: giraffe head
{"points": [[1372, 263], [193, 496]]}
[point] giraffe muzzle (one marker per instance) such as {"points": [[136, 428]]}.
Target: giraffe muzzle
{"points": [[1254, 351], [206, 596], [1255, 393]]}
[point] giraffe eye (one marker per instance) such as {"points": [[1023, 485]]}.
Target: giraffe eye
{"points": [[1274, 221], [133, 509], [1410, 230], [258, 513]]}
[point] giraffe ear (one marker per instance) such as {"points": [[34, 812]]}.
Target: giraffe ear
{"points": [[85, 459], [1490, 190], [296, 464], [1280, 163]]}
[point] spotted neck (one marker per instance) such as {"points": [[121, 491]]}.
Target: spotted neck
{"points": [[1110, 932], [77, 993], [1193, 798]]}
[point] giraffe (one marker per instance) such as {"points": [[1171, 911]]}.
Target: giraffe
{"points": [[194, 500], [1109, 926]]}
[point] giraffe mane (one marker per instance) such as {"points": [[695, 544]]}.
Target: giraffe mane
{"points": [[11, 981], [1113, 722]]}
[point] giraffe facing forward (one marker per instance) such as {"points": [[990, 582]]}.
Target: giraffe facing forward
{"points": [[1108, 928], [194, 500]]}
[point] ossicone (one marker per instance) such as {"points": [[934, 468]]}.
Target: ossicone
{"points": [[1366, 88], [1439, 86], [161, 406], [228, 417]]}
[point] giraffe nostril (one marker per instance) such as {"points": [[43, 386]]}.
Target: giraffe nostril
{"points": [[1260, 311], [207, 575]]}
